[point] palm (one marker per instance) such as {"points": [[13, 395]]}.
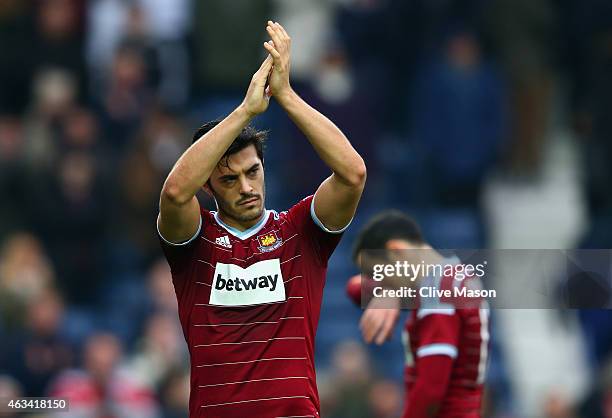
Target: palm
{"points": [[257, 99], [280, 50], [278, 80], [257, 102]]}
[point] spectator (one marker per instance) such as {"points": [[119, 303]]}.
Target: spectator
{"points": [[352, 379], [54, 95], [385, 399], [39, 352], [458, 120], [9, 389], [174, 394], [101, 388], [74, 204], [126, 97], [526, 29], [59, 39], [11, 175], [556, 405], [25, 273], [161, 289], [161, 350], [168, 23], [107, 26]]}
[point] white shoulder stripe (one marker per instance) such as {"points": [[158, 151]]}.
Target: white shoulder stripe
{"points": [[422, 313], [316, 220], [179, 244], [437, 349]]}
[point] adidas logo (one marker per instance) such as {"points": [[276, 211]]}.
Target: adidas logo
{"points": [[223, 241]]}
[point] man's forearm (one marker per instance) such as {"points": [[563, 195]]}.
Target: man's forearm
{"points": [[194, 167], [327, 139]]}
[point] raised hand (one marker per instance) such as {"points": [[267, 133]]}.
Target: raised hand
{"points": [[280, 50], [378, 321], [257, 96]]}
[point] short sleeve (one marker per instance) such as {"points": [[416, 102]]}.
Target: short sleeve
{"points": [[438, 333], [178, 254], [323, 241]]}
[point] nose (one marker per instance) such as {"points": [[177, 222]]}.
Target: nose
{"points": [[245, 186]]}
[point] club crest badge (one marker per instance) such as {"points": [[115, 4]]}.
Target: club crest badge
{"points": [[269, 242]]}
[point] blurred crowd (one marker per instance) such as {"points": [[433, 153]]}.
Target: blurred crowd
{"points": [[98, 98]]}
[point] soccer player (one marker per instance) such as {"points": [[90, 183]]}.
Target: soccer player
{"points": [[446, 344], [249, 280]]}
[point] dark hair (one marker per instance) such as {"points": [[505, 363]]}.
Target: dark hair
{"points": [[387, 225], [248, 136]]}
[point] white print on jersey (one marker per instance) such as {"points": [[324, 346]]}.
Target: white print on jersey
{"points": [[223, 241], [261, 282]]}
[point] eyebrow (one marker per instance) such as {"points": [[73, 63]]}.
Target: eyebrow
{"points": [[235, 176], [228, 177]]}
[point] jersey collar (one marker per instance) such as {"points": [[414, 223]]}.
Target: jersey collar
{"points": [[247, 233]]}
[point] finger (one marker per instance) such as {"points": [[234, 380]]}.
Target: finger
{"points": [[284, 36], [366, 334], [275, 35], [272, 50], [381, 334], [370, 328], [261, 76], [375, 328], [386, 330], [283, 32], [265, 65]]}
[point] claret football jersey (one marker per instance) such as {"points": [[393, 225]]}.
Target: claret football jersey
{"points": [[249, 304], [455, 328]]}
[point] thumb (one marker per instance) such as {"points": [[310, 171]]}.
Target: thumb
{"points": [[265, 67], [260, 78]]}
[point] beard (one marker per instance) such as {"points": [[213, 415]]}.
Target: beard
{"points": [[246, 216], [242, 216]]}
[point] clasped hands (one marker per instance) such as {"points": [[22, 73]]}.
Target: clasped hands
{"points": [[272, 77]]}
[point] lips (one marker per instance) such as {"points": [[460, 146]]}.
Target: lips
{"points": [[249, 201]]}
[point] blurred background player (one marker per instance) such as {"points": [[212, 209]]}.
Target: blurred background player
{"points": [[446, 343], [249, 281]]}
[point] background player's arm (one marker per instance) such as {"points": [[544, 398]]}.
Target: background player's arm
{"points": [[431, 385], [179, 211], [337, 198], [437, 352]]}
